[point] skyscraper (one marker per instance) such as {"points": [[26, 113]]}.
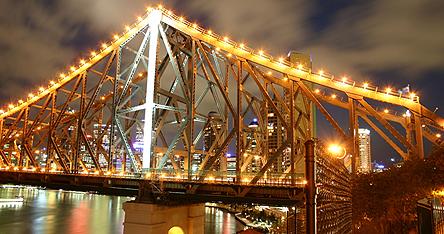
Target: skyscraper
{"points": [[212, 134], [364, 150]]}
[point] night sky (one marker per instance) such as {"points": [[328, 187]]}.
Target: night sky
{"points": [[388, 43]]}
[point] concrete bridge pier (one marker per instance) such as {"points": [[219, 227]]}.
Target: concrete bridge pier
{"points": [[154, 219]]}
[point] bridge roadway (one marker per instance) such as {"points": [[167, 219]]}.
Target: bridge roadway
{"points": [[169, 185]]}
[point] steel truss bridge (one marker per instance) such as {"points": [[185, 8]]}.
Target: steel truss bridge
{"points": [[167, 98]]}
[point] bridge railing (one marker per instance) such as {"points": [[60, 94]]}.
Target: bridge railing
{"points": [[219, 177]]}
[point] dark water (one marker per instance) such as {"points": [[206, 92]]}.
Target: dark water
{"points": [[54, 211]]}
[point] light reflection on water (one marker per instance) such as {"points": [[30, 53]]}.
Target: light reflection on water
{"points": [[55, 211], [221, 222]]}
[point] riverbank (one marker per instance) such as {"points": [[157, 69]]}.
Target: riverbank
{"points": [[236, 213]]}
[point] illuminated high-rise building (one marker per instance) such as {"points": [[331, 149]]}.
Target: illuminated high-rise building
{"points": [[212, 130], [364, 150]]}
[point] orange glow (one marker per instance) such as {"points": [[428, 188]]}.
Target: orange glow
{"points": [[317, 91], [30, 95], [261, 53], [20, 101], [281, 60], [104, 46], [217, 48], [285, 78], [116, 37], [242, 46], [344, 79], [1, 112], [73, 68], [139, 18], [194, 25], [389, 90], [169, 12], [269, 73], [333, 96], [148, 175], [226, 39], [386, 111], [41, 89], [365, 85], [62, 75], [229, 55], [127, 28], [181, 18], [51, 82], [438, 135], [300, 66], [209, 32], [321, 73], [82, 61]]}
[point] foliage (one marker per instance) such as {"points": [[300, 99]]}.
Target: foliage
{"points": [[386, 202]]}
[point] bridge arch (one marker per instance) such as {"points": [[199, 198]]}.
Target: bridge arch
{"points": [[176, 230]]}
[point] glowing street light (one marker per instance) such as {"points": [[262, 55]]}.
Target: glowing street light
{"points": [[336, 149]]}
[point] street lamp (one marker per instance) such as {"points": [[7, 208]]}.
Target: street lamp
{"points": [[336, 149]]}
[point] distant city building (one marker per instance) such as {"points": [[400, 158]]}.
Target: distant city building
{"points": [[364, 150], [213, 132]]}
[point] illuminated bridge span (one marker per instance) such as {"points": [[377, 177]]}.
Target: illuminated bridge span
{"points": [[167, 95]]}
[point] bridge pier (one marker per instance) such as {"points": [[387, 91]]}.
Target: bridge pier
{"points": [[152, 218]]}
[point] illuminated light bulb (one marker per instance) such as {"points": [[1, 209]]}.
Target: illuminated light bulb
{"points": [[103, 98], [321, 73], [38, 128], [245, 154], [20, 101], [51, 82], [386, 111], [41, 89], [139, 18], [43, 170], [300, 66], [344, 79], [148, 175], [211, 178], [269, 73], [127, 28], [194, 25], [245, 179], [169, 12], [256, 157], [305, 182], [388, 90], [30, 95], [116, 37], [261, 53], [82, 61], [73, 68], [149, 9], [317, 91], [412, 95], [209, 32], [181, 19], [229, 55], [333, 96], [226, 39], [285, 78], [438, 135], [281, 60], [160, 7], [163, 175], [140, 74], [178, 177], [217, 48], [404, 115], [62, 75], [104, 46], [242, 46], [365, 85], [1, 112]]}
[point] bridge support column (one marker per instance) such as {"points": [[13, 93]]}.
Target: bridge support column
{"points": [[310, 187], [152, 218]]}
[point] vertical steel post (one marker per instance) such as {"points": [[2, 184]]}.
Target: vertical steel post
{"points": [[310, 187], [154, 21]]}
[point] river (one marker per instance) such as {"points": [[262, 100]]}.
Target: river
{"points": [[57, 211]]}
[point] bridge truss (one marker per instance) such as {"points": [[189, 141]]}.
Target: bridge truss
{"points": [[169, 95]]}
